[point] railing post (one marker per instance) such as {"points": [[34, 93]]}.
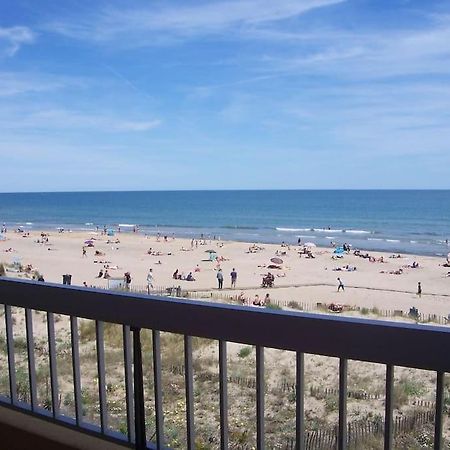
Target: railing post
{"points": [[439, 410], [300, 402], [342, 437], [139, 408], [260, 387], [388, 421]]}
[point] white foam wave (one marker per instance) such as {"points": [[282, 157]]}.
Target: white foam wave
{"points": [[306, 236], [392, 240], [28, 223], [89, 223], [374, 239], [127, 225], [327, 230], [329, 237], [413, 242], [292, 229], [358, 231]]}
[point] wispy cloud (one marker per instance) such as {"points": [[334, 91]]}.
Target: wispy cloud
{"points": [[183, 21], [16, 83], [51, 119], [12, 38], [362, 54]]}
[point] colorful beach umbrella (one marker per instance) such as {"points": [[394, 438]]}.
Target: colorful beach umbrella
{"points": [[276, 260], [210, 251], [309, 244]]}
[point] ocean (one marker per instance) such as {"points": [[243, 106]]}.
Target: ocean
{"points": [[409, 221]]}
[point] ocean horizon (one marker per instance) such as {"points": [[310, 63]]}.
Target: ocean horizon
{"points": [[398, 221]]}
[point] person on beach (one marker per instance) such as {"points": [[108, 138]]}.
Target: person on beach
{"points": [[340, 285], [84, 252], [150, 280], [233, 275], [220, 278], [190, 277], [419, 289], [267, 299], [127, 279], [256, 301]]}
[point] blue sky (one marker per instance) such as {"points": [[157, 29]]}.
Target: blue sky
{"points": [[143, 95]]}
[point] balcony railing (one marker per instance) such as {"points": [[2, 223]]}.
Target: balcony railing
{"points": [[388, 343]]}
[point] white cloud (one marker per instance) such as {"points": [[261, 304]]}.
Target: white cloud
{"points": [[65, 119], [16, 83], [12, 38], [183, 21], [364, 55]]}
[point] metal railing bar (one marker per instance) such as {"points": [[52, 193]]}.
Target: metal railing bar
{"points": [[52, 362], [189, 386], [223, 395], [138, 378], [389, 408], [260, 387], [100, 344], [439, 411], [74, 339], [296, 331], [300, 402], [342, 434], [128, 368], [159, 415], [31, 358], [11, 358]]}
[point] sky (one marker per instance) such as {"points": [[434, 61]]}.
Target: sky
{"points": [[225, 94]]}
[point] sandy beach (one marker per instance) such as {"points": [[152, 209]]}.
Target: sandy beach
{"points": [[391, 284]]}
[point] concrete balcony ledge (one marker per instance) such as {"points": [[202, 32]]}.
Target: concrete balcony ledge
{"points": [[22, 431]]}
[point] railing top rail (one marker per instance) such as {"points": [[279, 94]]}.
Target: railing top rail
{"points": [[410, 345]]}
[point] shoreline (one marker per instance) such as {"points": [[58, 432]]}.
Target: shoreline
{"points": [[191, 232]]}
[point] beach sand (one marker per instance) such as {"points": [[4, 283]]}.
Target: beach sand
{"points": [[301, 279]]}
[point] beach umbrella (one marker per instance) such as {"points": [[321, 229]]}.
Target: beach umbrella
{"points": [[276, 260], [339, 250], [210, 251], [309, 244], [89, 241]]}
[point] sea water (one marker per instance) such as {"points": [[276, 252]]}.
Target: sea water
{"points": [[409, 221]]}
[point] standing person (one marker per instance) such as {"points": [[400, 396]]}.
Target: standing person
{"points": [[84, 252], [233, 275], [127, 279], [220, 278], [341, 285], [419, 289], [150, 280]]}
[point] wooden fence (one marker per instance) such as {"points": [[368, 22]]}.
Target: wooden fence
{"points": [[359, 432]]}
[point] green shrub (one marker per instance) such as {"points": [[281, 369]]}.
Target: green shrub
{"points": [[331, 403], [273, 306], [244, 352], [295, 305], [2, 270]]}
